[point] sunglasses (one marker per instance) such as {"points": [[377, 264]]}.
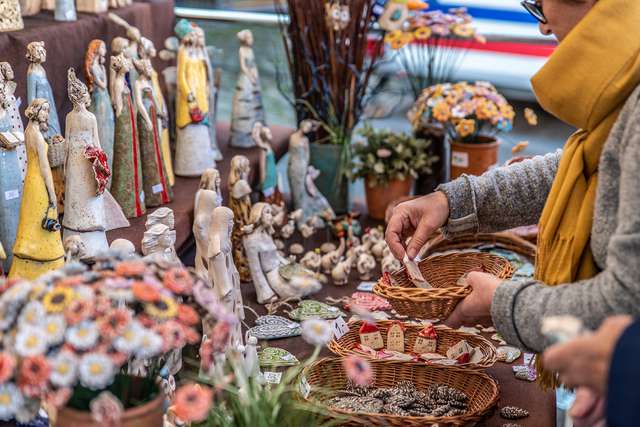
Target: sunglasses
{"points": [[535, 9]]}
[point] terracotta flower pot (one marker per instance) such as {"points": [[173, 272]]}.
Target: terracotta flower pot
{"points": [[148, 415], [473, 158], [379, 197]]}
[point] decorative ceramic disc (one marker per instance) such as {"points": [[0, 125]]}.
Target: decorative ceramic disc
{"points": [[312, 309], [273, 357], [273, 327], [368, 301], [508, 354]]}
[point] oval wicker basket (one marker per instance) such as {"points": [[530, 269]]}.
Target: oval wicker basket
{"points": [[504, 240], [327, 376], [56, 153], [442, 272], [447, 338]]}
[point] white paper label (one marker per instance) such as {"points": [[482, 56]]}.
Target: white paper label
{"points": [[340, 328], [366, 286], [288, 358], [293, 326], [157, 188], [142, 197], [333, 309], [11, 194], [305, 388], [459, 159], [273, 377]]}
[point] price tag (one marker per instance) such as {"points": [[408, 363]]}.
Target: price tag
{"points": [[157, 188], [142, 197], [293, 325], [340, 328], [333, 309], [305, 388], [272, 377], [366, 286], [11, 194], [459, 159]]}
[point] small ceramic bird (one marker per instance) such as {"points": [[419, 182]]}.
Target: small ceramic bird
{"points": [[330, 259], [340, 273]]}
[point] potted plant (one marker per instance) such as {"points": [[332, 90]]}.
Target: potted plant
{"points": [[91, 346], [471, 115], [389, 162]]}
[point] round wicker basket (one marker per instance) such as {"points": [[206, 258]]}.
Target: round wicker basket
{"points": [[447, 338], [505, 240], [442, 272], [327, 376]]}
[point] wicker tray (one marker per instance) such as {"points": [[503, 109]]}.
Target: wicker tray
{"points": [[442, 272], [327, 375], [447, 338], [505, 240]]}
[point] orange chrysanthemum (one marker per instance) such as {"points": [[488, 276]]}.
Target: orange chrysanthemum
{"points": [[442, 111], [192, 402]]}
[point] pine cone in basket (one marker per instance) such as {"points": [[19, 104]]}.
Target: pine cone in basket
{"points": [[513, 413]]}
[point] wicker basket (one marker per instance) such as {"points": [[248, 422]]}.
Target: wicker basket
{"points": [[447, 338], [505, 240], [442, 272], [327, 376], [56, 153]]}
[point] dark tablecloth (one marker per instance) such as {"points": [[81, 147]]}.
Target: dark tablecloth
{"points": [[66, 43]]}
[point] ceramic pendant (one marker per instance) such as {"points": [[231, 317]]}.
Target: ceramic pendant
{"points": [[469, 330], [368, 301], [312, 309], [338, 16], [498, 338], [513, 413], [273, 327], [461, 352], [370, 336], [508, 354], [272, 357], [525, 372], [395, 337], [426, 341]]}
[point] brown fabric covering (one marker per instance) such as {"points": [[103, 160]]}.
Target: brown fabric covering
{"points": [[185, 189], [66, 43]]}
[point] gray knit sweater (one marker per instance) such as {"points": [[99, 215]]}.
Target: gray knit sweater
{"points": [[514, 196]]}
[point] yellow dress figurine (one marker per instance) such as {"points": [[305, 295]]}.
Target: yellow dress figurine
{"points": [[38, 247]]}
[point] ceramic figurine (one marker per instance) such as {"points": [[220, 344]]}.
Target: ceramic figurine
{"points": [[247, 107], [38, 247], [155, 181], [74, 249], [340, 273], [124, 248], [161, 216], [193, 147], [131, 51], [30, 7], [65, 10], [126, 185], [330, 259], [3, 257], [158, 244], [240, 204], [461, 352], [365, 265], [95, 75], [92, 6], [10, 17], [390, 263], [7, 76], [395, 337], [301, 175], [312, 260], [214, 90], [38, 87], [148, 52], [222, 271], [370, 336], [338, 16], [11, 185], [377, 249], [207, 199], [268, 169]]}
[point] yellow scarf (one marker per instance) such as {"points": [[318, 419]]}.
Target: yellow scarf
{"points": [[585, 83]]}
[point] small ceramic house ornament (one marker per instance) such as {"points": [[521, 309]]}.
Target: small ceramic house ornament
{"points": [[426, 341], [10, 17], [461, 352], [370, 336], [395, 337]]}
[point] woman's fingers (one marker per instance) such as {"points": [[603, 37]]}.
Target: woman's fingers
{"points": [[421, 236]]}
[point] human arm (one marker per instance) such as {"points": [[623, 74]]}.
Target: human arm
{"points": [[45, 169], [624, 376], [181, 78]]}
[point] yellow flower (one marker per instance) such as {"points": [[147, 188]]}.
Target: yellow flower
{"points": [[407, 38], [463, 30], [392, 36], [507, 111], [397, 44], [486, 110], [422, 33], [441, 111], [163, 309], [59, 298], [465, 128]]}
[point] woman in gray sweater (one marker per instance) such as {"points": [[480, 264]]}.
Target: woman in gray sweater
{"points": [[589, 194]]}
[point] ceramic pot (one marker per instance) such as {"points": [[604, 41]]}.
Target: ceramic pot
{"points": [[381, 196], [473, 158], [148, 415], [427, 183], [327, 159]]}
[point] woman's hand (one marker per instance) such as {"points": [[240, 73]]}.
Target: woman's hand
{"points": [[418, 218], [588, 410], [476, 307], [585, 361]]}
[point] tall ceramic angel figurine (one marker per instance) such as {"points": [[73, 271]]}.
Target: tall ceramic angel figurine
{"points": [[240, 204], [268, 168], [148, 52], [65, 10], [134, 37], [306, 195], [13, 109], [154, 175], [214, 90], [90, 208], [208, 197], [30, 7], [10, 178], [193, 147], [158, 244], [126, 186], [95, 75], [269, 271], [222, 271], [38, 247], [247, 100], [10, 17]]}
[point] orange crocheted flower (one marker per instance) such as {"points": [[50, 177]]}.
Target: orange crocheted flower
{"points": [[192, 402], [188, 315], [131, 268], [71, 281], [422, 33], [114, 323], [179, 281], [465, 128], [442, 111], [7, 366], [145, 292], [34, 373]]}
